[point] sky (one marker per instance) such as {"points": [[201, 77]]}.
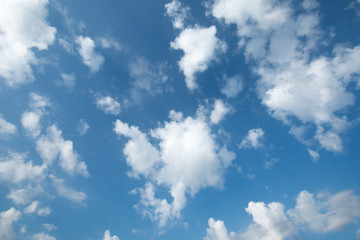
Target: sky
{"points": [[207, 120]]}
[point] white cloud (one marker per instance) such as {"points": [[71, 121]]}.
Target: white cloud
{"points": [[49, 227], [253, 139], [7, 218], [148, 79], [42, 236], [177, 13], [175, 116], [82, 127], [23, 195], [6, 128], [107, 104], [35, 208], [67, 192], [186, 159], [314, 155], [90, 58], [107, 236], [293, 82], [322, 214], [23, 27], [232, 86], [68, 80], [201, 47], [107, 42], [53, 145], [14, 169], [30, 119], [219, 112]]}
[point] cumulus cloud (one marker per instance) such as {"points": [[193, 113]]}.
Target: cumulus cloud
{"points": [[322, 214], [67, 192], [148, 79], [295, 84], [23, 195], [107, 104], [186, 159], [86, 50], [107, 236], [6, 128], [23, 27], [82, 127], [7, 218], [107, 42], [253, 139], [314, 155], [232, 86], [177, 12], [30, 119], [219, 112], [53, 145], [200, 46], [34, 207]]}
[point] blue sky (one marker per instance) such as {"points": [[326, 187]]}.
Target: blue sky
{"points": [[213, 120]]}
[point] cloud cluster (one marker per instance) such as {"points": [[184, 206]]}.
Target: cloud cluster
{"points": [[23, 27], [107, 104], [298, 85], [321, 214], [253, 139], [177, 12], [6, 128], [86, 50], [185, 159]]}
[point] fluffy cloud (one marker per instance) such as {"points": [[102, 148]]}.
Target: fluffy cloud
{"points": [[186, 159], [295, 84], [23, 195], [232, 86], [177, 13], [67, 192], [30, 119], [82, 127], [253, 139], [6, 128], [219, 112], [107, 104], [314, 155], [86, 50], [14, 169], [200, 46], [7, 219], [35, 208], [148, 79], [107, 236], [53, 145], [322, 214], [23, 27]]}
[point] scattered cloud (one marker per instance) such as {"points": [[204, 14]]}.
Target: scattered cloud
{"points": [[6, 128], [232, 86], [107, 42], [201, 47], [107, 236], [82, 127], [253, 139], [42, 236], [186, 159], [177, 12], [53, 145], [68, 80], [35, 208], [148, 79], [49, 227], [322, 214], [107, 104], [90, 58], [23, 28], [221, 109], [67, 192], [314, 155]]}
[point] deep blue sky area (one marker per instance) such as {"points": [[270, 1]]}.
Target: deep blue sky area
{"points": [[212, 120]]}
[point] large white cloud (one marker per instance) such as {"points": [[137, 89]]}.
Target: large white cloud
{"points": [[323, 214], [23, 27], [86, 50], [298, 87], [186, 159], [200, 46]]}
